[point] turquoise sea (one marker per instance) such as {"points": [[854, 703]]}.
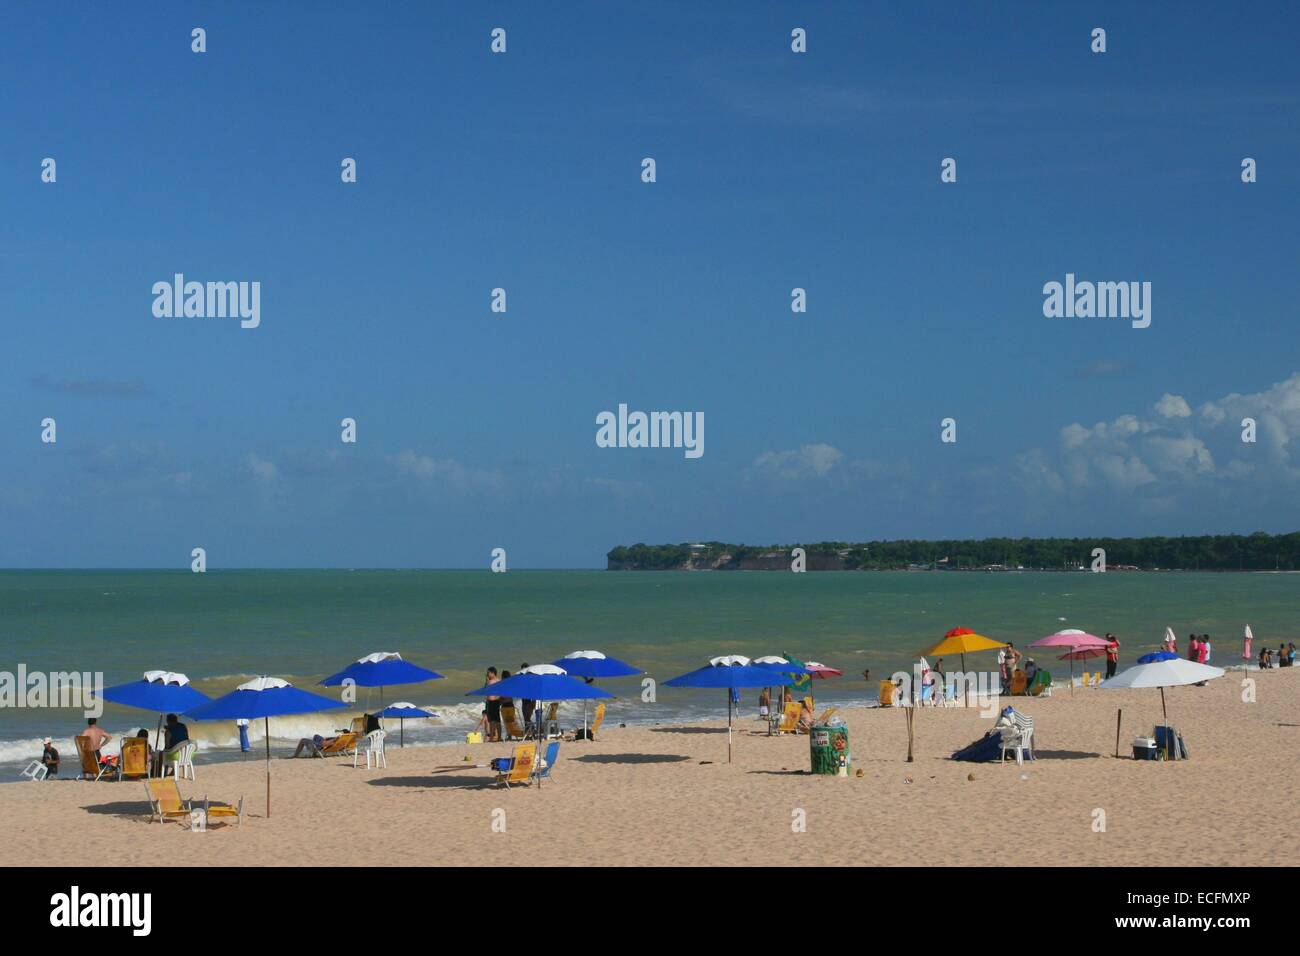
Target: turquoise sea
{"points": [[224, 626]]}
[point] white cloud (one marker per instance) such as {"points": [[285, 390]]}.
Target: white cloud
{"points": [[1173, 406], [447, 471], [814, 460]]}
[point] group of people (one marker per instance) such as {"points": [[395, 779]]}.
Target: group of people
{"points": [[1285, 656], [806, 716], [174, 732], [489, 722]]}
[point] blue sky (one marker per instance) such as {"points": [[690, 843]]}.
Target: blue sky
{"points": [[522, 171]]}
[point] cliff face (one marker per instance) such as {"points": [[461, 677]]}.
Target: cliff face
{"points": [[765, 561]]}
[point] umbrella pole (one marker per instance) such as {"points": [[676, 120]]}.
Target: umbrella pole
{"points": [[266, 729], [1165, 713], [157, 748], [1071, 673], [401, 731], [728, 726]]}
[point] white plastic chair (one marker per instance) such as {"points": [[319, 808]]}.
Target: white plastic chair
{"points": [[36, 770], [181, 760], [373, 745], [1018, 735]]}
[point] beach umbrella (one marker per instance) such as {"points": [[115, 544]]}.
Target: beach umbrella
{"points": [[820, 671], [593, 664], [1075, 639], [381, 669], [962, 640], [1246, 640], [1163, 669], [263, 697], [404, 712], [542, 683], [1171, 640], [732, 672], [163, 692]]}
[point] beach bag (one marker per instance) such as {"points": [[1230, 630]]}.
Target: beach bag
{"points": [[474, 738]]}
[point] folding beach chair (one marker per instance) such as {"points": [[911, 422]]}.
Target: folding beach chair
{"points": [[133, 759], [91, 768], [548, 760], [552, 728], [36, 770], [345, 745], [517, 768], [514, 729], [166, 803], [887, 689], [789, 723]]}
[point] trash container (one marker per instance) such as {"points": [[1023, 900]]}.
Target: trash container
{"points": [[830, 750]]}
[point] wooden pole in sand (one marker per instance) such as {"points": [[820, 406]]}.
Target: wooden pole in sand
{"points": [[909, 733], [1119, 716]]}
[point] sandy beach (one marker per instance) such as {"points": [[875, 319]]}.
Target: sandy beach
{"points": [[664, 795]]}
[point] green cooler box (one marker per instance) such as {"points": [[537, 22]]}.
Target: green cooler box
{"points": [[830, 751]]}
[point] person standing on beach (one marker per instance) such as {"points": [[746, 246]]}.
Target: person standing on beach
{"points": [[1193, 647], [1205, 649], [1112, 655], [493, 707], [50, 758], [1002, 669]]}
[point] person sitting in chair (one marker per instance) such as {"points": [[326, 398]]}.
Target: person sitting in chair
{"points": [[315, 744]]}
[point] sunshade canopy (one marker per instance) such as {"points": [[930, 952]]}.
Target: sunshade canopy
{"points": [[158, 691], [734, 672], [962, 640], [1071, 637], [263, 697], [381, 669], [1164, 672], [594, 664]]}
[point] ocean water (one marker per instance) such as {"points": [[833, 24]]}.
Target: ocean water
{"points": [[224, 626]]}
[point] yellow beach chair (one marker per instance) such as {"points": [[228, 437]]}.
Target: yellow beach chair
{"points": [[166, 803], [789, 719], [520, 767], [887, 689], [1018, 682], [91, 769], [514, 729], [824, 716], [345, 745], [133, 763], [597, 718]]}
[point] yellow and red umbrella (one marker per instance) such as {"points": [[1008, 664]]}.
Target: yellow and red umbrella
{"points": [[962, 640]]}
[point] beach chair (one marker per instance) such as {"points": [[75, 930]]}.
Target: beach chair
{"points": [[166, 803], [789, 723], [373, 745], [886, 692], [1018, 735], [514, 729], [597, 718], [548, 760], [358, 727], [1096, 679], [91, 768], [36, 770], [1018, 682], [344, 745], [133, 759], [825, 715], [1041, 686], [180, 760], [517, 768], [552, 728]]}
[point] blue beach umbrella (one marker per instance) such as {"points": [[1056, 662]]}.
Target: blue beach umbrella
{"points": [[163, 692], [541, 682], [381, 669], [731, 672], [263, 697], [594, 664], [403, 712]]}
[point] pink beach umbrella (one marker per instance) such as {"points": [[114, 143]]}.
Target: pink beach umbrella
{"points": [[1075, 640], [821, 671], [1246, 641]]}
